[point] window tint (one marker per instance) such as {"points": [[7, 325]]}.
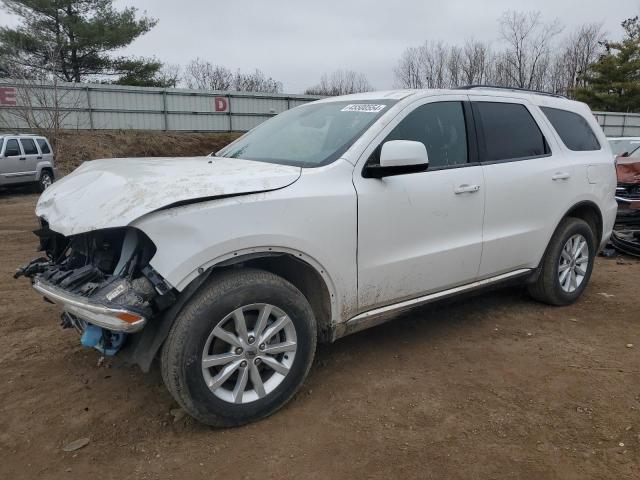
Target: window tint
{"points": [[441, 128], [12, 150], [29, 146], [573, 129], [44, 146], [510, 132]]}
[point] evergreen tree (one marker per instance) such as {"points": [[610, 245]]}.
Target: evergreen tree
{"points": [[73, 40], [613, 82]]}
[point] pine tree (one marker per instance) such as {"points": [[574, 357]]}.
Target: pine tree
{"points": [[613, 82], [74, 40]]}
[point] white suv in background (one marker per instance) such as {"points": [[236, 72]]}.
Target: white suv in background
{"points": [[327, 219], [26, 159]]}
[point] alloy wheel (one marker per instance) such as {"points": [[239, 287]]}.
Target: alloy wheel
{"points": [[249, 353], [573, 263]]}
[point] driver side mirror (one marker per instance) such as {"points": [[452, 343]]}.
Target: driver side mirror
{"points": [[398, 157]]}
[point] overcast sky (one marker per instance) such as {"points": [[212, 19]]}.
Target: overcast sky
{"points": [[295, 41]]}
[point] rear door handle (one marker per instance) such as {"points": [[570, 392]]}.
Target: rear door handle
{"points": [[464, 188], [22, 158], [39, 158], [561, 176]]}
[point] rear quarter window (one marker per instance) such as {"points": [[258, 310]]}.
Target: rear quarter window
{"points": [[573, 129], [44, 146]]}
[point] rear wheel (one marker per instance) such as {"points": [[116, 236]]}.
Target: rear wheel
{"points": [[240, 349], [567, 265]]}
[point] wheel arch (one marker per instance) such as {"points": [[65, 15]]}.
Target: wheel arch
{"points": [[302, 271], [590, 213], [586, 210], [41, 167]]}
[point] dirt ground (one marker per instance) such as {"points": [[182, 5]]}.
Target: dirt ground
{"points": [[493, 386]]}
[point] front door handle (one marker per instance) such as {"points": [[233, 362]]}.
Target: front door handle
{"points": [[22, 158], [561, 176], [39, 158], [465, 188]]}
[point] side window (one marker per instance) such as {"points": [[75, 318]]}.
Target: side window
{"points": [[510, 132], [29, 146], [573, 129], [44, 146], [441, 128], [12, 149]]}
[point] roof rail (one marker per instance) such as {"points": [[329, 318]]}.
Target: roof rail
{"points": [[515, 89]]}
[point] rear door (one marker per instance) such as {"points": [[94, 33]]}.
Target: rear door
{"points": [[31, 155], [527, 181], [45, 150], [421, 232]]}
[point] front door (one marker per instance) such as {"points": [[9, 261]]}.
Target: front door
{"points": [[13, 163], [422, 232]]}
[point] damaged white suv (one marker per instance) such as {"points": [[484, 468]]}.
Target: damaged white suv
{"points": [[327, 219]]}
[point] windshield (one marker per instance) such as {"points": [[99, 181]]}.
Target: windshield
{"points": [[310, 135], [624, 145]]}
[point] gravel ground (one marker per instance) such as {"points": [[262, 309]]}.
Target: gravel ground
{"points": [[492, 386]]}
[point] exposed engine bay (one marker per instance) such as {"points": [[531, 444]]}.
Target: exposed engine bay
{"points": [[103, 281]]}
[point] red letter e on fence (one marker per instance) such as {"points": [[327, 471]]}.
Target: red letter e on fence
{"points": [[8, 96]]}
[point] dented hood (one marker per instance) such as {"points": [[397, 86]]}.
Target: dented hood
{"points": [[115, 192]]}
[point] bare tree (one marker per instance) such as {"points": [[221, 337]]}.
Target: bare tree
{"points": [[476, 60], [340, 82], [530, 58], [255, 82], [408, 72], [581, 48], [43, 104], [528, 41], [170, 75], [454, 66], [204, 75]]}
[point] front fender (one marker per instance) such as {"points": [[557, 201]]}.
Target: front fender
{"points": [[314, 219]]}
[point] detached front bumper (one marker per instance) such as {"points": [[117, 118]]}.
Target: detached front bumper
{"points": [[114, 319]]}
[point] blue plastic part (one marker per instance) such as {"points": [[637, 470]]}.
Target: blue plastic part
{"points": [[91, 336], [94, 337]]}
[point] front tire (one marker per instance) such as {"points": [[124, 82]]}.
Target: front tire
{"points": [[240, 349], [45, 181], [567, 265]]}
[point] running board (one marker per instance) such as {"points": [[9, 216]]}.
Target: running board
{"points": [[380, 315]]}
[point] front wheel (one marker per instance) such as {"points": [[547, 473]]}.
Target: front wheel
{"points": [[567, 265], [45, 181], [240, 349]]}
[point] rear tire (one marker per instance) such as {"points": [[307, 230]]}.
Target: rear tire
{"points": [[567, 264], [225, 374]]}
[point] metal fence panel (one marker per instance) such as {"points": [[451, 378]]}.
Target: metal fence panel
{"points": [[619, 124], [113, 107]]}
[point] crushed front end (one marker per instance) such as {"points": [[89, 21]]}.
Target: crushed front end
{"points": [[103, 281]]}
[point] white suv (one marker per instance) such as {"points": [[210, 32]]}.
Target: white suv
{"points": [[325, 220], [26, 159]]}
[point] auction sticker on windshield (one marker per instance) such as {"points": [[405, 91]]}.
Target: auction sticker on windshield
{"points": [[364, 107]]}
